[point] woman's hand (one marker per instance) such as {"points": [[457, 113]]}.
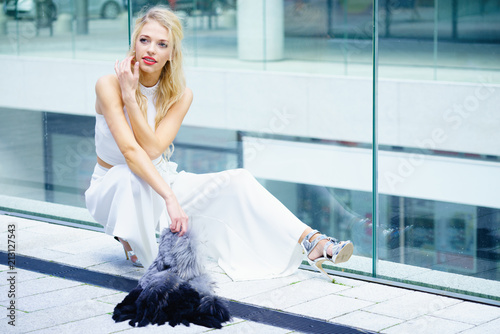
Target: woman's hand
{"points": [[128, 77], [177, 215]]}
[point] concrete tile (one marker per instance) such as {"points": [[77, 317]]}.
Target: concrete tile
{"points": [[357, 262], [78, 246], [41, 285], [244, 289], [66, 231], [115, 264], [295, 293], [26, 239], [348, 281], [22, 275], [5, 327], [366, 320], [399, 270], [302, 275], [427, 324], [243, 326], [97, 324], [212, 265], [93, 258], [307, 273], [329, 307], [487, 328], [43, 253], [21, 223], [61, 297], [220, 278], [349, 302], [374, 292], [312, 274], [413, 305], [234, 324], [112, 299], [50, 317], [460, 282], [134, 273], [471, 313]]}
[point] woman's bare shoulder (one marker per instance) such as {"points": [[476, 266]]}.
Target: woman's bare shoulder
{"points": [[188, 92], [187, 96], [108, 94], [107, 82]]}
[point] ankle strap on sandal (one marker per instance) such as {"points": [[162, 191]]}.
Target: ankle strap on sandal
{"points": [[310, 245], [310, 235], [307, 245]]}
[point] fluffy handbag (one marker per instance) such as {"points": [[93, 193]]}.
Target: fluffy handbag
{"points": [[174, 290]]}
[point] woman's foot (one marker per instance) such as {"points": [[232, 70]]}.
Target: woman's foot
{"points": [[320, 251], [320, 248], [129, 253]]}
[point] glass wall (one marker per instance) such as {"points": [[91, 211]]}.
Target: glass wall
{"points": [[284, 88], [440, 119]]}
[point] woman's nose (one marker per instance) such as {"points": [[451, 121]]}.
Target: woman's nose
{"points": [[152, 48]]}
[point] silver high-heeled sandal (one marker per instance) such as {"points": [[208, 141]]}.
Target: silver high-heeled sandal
{"points": [[129, 254], [341, 251]]}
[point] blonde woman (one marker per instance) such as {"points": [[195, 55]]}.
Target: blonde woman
{"points": [[136, 191]]}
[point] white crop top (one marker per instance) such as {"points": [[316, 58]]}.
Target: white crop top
{"points": [[105, 145]]}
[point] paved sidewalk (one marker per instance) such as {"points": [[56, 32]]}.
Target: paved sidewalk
{"points": [[48, 304]]}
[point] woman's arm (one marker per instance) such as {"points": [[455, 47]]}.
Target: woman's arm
{"points": [[109, 103], [155, 142]]}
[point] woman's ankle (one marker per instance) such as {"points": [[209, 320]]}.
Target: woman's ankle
{"points": [[304, 234], [317, 251], [125, 245]]}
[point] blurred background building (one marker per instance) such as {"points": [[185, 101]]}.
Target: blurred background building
{"points": [[286, 89]]}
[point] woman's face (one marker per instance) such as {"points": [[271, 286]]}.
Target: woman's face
{"points": [[153, 48]]}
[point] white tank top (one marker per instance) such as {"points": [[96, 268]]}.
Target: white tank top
{"points": [[105, 145]]}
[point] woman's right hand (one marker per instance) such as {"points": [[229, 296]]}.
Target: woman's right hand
{"points": [[178, 217], [127, 77]]}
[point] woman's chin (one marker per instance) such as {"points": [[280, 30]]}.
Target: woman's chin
{"points": [[149, 69]]}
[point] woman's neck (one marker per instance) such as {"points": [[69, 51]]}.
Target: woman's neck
{"points": [[149, 80]]}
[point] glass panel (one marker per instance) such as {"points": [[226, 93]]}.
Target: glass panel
{"points": [[291, 100], [61, 154], [85, 29], [438, 165], [100, 28]]}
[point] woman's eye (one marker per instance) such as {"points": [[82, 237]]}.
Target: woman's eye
{"points": [[163, 45], [143, 40]]}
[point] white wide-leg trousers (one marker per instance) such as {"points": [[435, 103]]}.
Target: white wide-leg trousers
{"points": [[239, 223]]}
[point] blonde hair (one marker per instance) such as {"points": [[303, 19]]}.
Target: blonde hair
{"points": [[172, 82]]}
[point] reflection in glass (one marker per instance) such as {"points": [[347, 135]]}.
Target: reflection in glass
{"points": [[438, 100]]}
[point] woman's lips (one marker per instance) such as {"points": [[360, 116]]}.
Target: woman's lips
{"points": [[149, 60]]}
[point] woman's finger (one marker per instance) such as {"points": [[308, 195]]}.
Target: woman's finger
{"points": [[175, 227], [128, 63], [136, 71], [184, 228], [124, 65]]}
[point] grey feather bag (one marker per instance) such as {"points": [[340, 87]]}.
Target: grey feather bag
{"points": [[175, 289]]}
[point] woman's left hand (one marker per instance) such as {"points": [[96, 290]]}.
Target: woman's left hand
{"points": [[179, 219], [127, 76]]}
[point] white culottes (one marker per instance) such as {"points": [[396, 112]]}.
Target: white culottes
{"points": [[238, 222]]}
